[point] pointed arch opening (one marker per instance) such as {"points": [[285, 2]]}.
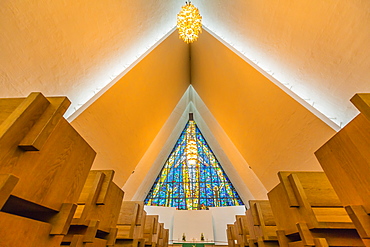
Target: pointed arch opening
{"points": [[192, 178]]}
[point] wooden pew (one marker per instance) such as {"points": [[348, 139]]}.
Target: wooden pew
{"points": [[44, 163], [16, 231], [161, 233], [151, 230], [94, 222], [345, 158], [131, 224], [166, 238], [232, 236], [242, 230], [309, 213], [261, 224]]}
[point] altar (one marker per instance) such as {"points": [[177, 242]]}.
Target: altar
{"points": [[193, 243]]}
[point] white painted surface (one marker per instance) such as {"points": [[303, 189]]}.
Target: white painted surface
{"points": [[76, 48], [245, 181], [140, 182], [166, 215], [271, 130], [192, 223], [221, 217], [247, 184], [212, 223], [122, 123], [318, 49]]}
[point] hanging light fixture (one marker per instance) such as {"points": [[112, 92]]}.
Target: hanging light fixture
{"points": [[189, 23]]}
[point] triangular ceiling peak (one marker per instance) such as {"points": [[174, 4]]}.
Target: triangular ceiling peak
{"points": [[253, 127], [245, 181]]}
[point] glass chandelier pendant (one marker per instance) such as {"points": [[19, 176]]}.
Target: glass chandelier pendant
{"points": [[189, 23]]}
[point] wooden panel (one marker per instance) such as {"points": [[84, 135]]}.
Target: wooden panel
{"points": [[97, 243], [139, 229], [264, 227], [228, 232], [160, 230], [22, 117], [166, 237], [292, 200], [7, 184], [126, 243], [361, 220], [45, 183], [7, 106], [346, 161], [125, 232], [151, 223], [241, 223], [318, 190], [95, 221], [316, 185], [151, 229], [36, 137], [142, 213], [362, 103], [265, 209], [19, 231], [15, 126], [129, 213], [324, 214], [64, 161], [317, 224], [135, 230], [106, 214], [160, 234], [339, 237], [280, 207], [251, 221], [103, 188], [231, 235]]}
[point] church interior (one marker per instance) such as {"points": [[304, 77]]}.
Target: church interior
{"points": [[95, 97]]}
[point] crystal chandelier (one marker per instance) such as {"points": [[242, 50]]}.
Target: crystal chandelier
{"points": [[189, 23]]}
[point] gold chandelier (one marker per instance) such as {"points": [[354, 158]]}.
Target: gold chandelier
{"points": [[189, 23]]}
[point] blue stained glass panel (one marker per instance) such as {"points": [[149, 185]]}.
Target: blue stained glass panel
{"points": [[192, 178]]}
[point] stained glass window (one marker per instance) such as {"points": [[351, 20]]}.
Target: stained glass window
{"points": [[192, 178]]}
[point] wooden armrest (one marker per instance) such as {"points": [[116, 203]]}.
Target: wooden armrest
{"points": [[7, 184], [362, 103], [38, 134]]}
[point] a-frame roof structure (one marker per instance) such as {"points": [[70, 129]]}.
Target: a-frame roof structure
{"points": [[270, 81]]}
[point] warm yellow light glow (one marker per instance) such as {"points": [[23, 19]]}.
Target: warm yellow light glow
{"points": [[192, 152], [189, 23]]}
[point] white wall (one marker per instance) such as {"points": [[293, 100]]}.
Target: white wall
{"points": [[193, 223], [222, 216], [212, 223], [166, 215]]}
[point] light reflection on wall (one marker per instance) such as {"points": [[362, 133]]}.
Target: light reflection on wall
{"points": [[233, 31], [120, 68]]}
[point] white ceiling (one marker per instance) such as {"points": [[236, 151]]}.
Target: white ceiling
{"points": [[318, 49], [75, 48]]}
